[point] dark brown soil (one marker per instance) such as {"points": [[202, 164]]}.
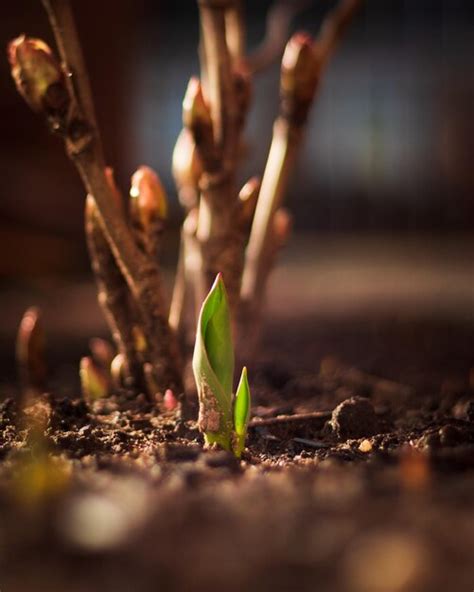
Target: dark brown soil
{"points": [[349, 481]]}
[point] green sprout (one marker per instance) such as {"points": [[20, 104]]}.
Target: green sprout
{"points": [[222, 421], [241, 413]]}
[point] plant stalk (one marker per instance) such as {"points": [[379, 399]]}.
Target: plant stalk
{"points": [[85, 149]]}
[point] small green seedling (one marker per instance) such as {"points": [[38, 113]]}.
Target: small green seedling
{"points": [[241, 414], [222, 421]]}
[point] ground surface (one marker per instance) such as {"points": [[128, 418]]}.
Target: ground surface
{"points": [[359, 473]]}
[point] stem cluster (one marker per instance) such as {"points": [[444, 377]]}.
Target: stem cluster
{"points": [[235, 233]]}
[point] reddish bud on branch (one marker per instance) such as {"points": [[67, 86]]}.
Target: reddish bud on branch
{"points": [[148, 201], [197, 118], [282, 226], [187, 168], [38, 75], [299, 77], [195, 110], [30, 351], [248, 197]]}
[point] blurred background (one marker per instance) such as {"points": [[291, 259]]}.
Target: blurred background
{"points": [[382, 195]]}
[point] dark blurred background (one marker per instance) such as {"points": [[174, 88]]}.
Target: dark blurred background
{"points": [[388, 153], [390, 145]]}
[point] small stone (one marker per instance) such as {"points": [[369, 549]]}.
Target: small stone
{"points": [[450, 435], [365, 446], [354, 418]]}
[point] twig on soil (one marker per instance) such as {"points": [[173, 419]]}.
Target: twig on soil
{"points": [[312, 443], [316, 416]]}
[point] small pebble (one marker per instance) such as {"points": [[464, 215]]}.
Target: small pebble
{"points": [[354, 418], [450, 435], [365, 446]]}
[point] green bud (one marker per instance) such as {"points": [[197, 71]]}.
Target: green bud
{"points": [[117, 371], [213, 367], [139, 339], [241, 414], [93, 383]]}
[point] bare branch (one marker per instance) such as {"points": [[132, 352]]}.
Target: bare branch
{"points": [[113, 293], [235, 31], [217, 242], [178, 299], [64, 29], [219, 71], [279, 19], [302, 65], [333, 28], [84, 147]]}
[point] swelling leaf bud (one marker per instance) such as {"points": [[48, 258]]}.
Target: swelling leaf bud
{"points": [[197, 118], [187, 168], [248, 198], [195, 110], [213, 367], [241, 414], [30, 351], [38, 75], [299, 77], [148, 198], [282, 226]]}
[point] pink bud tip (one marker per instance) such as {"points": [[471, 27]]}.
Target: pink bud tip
{"points": [[170, 401]]}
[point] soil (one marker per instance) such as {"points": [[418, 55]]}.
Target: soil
{"points": [[358, 475]]}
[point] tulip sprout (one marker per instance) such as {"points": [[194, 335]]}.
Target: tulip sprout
{"points": [[213, 366]]}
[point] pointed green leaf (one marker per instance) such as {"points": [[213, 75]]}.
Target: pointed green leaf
{"points": [[213, 366], [93, 383], [241, 413], [242, 404], [216, 329]]}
